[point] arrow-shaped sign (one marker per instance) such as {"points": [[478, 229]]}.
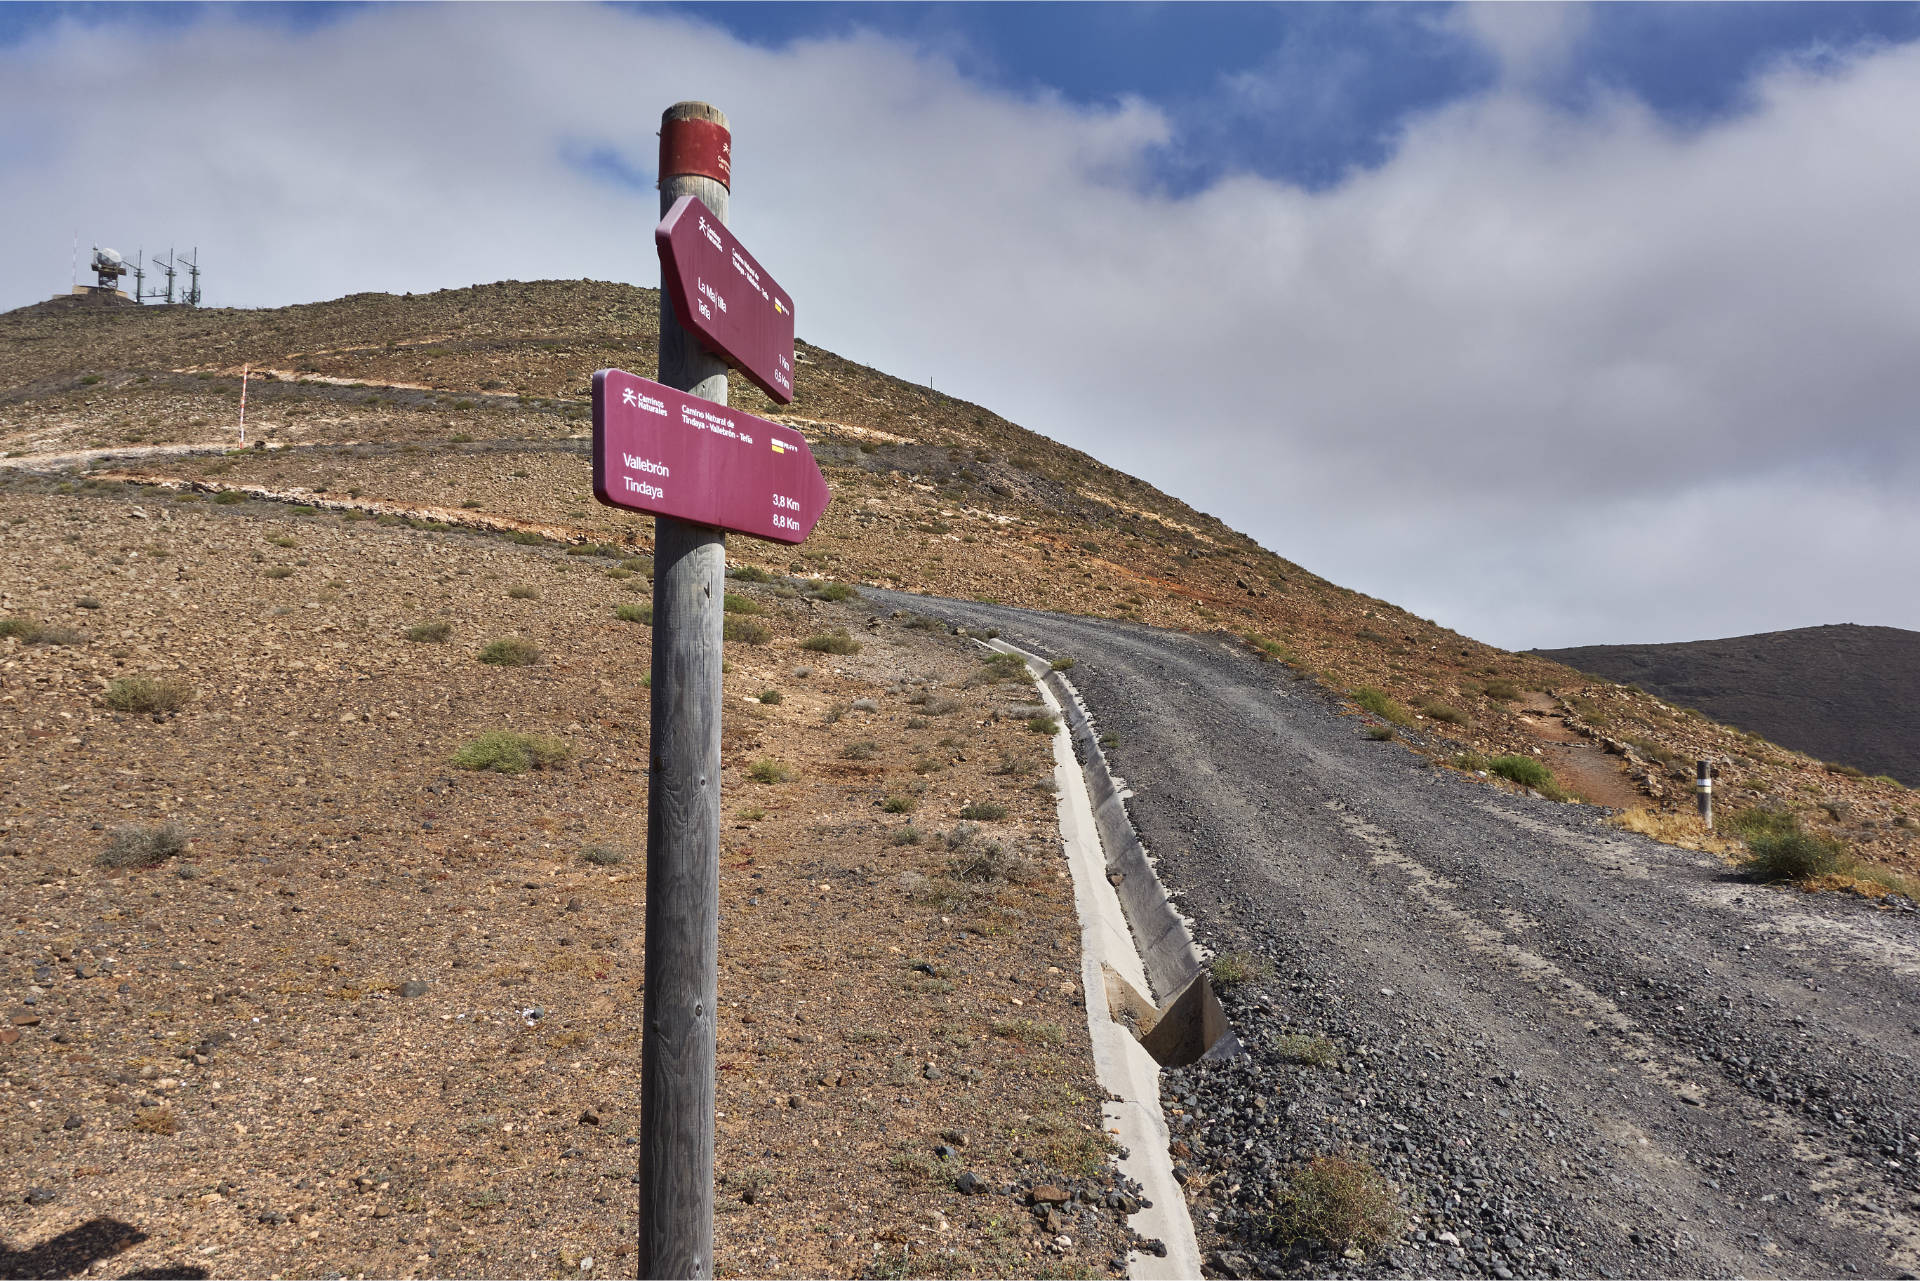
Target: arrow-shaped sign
{"points": [[667, 453], [726, 298]]}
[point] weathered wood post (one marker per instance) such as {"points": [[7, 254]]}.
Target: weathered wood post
{"points": [[1703, 788], [683, 792]]}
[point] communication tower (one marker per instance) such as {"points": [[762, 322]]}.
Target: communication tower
{"points": [[108, 266]]}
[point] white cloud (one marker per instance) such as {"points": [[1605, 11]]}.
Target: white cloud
{"points": [[1552, 380]]}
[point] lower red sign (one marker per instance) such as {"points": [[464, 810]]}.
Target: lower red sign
{"points": [[663, 452]]}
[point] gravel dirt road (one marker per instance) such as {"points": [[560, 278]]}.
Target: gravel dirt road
{"points": [[1573, 1050]]}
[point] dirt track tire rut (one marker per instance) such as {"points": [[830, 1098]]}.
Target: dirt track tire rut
{"points": [[1575, 1051]]}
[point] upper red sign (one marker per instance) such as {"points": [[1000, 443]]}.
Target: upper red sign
{"points": [[664, 452], [724, 298]]}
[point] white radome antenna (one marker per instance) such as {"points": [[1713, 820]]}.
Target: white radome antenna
{"points": [[108, 267]]}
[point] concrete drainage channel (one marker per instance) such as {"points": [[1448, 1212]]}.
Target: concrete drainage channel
{"points": [[1150, 1002]]}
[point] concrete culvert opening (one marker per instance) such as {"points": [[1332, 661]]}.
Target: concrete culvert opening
{"points": [[1188, 1027]]}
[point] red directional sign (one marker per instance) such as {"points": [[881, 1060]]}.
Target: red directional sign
{"points": [[663, 452], [725, 298]]}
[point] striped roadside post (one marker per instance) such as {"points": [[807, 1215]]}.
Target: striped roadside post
{"points": [[1703, 787]]}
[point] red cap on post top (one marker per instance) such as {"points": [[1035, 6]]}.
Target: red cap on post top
{"points": [[699, 147]]}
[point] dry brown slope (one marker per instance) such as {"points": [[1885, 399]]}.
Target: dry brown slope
{"points": [[473, 400]]}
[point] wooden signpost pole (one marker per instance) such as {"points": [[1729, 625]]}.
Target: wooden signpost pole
{"points": [[683, 795]]}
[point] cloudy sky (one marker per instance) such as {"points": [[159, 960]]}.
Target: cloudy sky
{"points": [[1559, 325]]}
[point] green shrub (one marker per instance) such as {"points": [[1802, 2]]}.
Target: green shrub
{"points": [[594, 549], [526, 538], [771, 697], [1270, 650], [833, 591], [834, 642], [1378, 733], [1439, 711], [1524, 770], [861, 751], [749, 574], [279, 571], [431, 632], [899, 805], [147, 695], [1377, 702], [1501, 690], [510, 651], [522, 593], [1064, 664], [470, 504], [228, 497], [986, 811], [634, 612], [1043, 725], [908, 835], [1779, 849], [136, 846], [506, 751], [733, 603], [747, 631], [602, 856], [1339, 1202], [767, 770]]}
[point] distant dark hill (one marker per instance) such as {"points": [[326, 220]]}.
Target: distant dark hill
{"points": [[1843, 693]]}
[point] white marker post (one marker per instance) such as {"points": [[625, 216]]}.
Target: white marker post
{"points": [[1703, 786], [244, 371]]}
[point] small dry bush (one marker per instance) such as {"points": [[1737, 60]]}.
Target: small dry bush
{"points": [[431, 632], [748, 574], [147, 695], [991, 863], [1231, 969], [734, 603], [833, 591], [750, 631], [768, 770], [1312, 1051], [1339, 1202], [1673, 827], [861, 751], [511, 651], [510, 752], [602, 856], [834, 642], [898, 804], [136, 846], [157, 1121], [984, 811], [1439, 711], [1043, 725], [522, 593], [1028, 1032], [1501, 690], [633, 612]]}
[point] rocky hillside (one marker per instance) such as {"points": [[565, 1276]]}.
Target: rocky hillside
{"points": [[469, 407], [1847, 693]]}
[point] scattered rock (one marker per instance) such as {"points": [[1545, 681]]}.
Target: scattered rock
{"points": [[41, 1196], [1051, 1194], [967, 1183], [414, 987]]}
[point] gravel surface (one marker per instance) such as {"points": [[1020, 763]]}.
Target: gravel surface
{"points": [[1574, 1051]]}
